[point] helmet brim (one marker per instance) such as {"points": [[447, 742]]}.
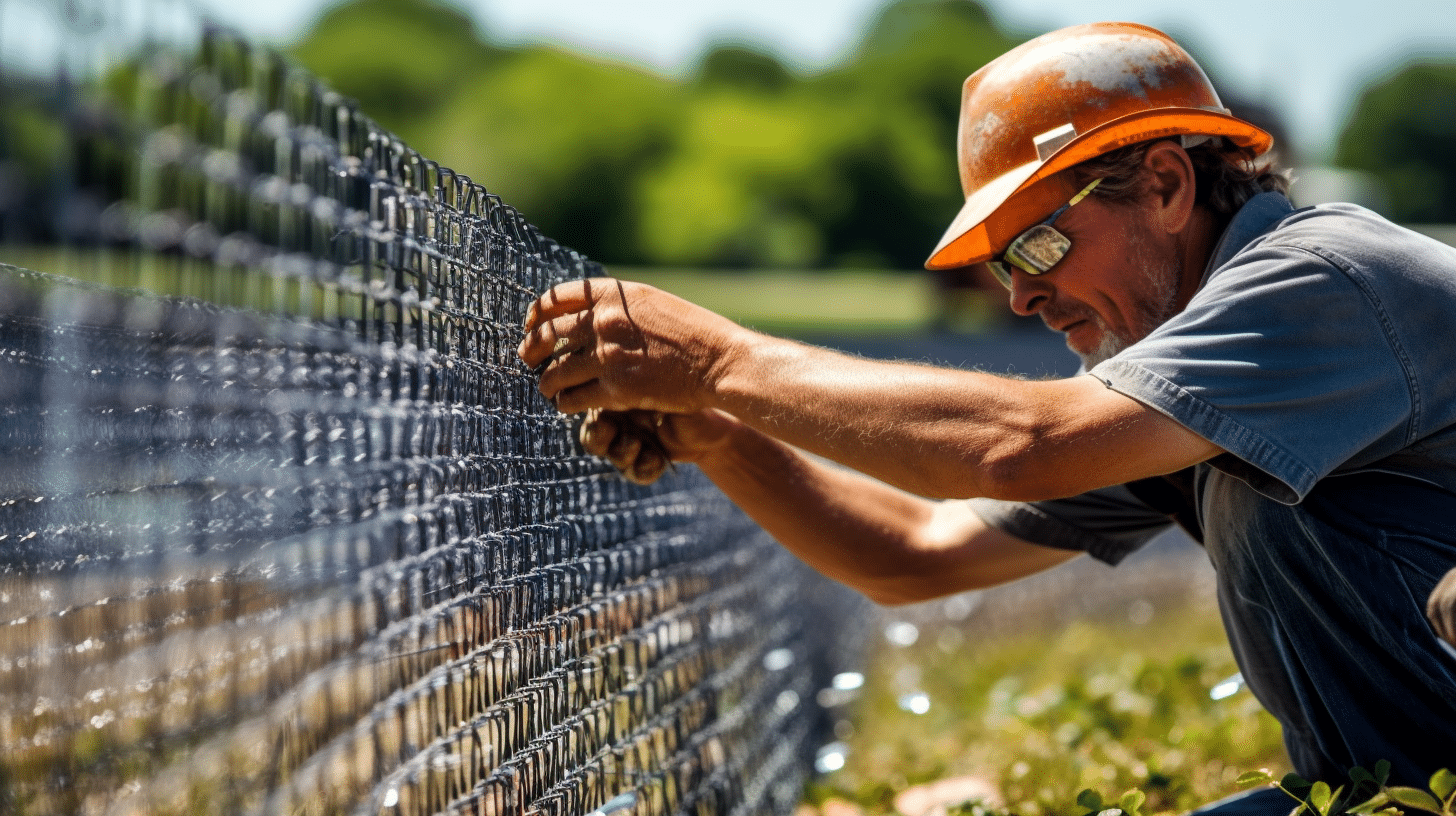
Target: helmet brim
{"points": [[968, 240]]}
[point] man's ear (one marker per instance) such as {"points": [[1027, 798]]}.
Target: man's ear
{"points": [[1170, 191]]}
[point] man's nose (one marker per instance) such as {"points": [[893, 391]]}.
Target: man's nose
{"points": [[1029, 293]]}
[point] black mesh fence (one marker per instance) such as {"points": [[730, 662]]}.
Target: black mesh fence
{"points": [[285, 526]]}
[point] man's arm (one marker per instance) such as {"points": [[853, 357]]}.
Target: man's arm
{"points": [[892, 546], [933, 432]]}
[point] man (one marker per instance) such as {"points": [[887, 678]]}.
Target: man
{"points": [[1276, 380]]}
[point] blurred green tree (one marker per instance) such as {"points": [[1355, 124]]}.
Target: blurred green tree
{"points": [[744, 164], [730, 65], [402, 60], [908, 72], [922, 50], [563, 138], [749, 181], [1403, 130], [852, 167]]}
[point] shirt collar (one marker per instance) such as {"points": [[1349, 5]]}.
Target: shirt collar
{"points": [[1252, 220]]}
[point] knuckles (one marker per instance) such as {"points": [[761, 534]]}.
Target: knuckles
{"points": [[623, 352], [629, 441]]}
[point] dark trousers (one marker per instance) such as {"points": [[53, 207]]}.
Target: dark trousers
{"points": [[1324, 604]]}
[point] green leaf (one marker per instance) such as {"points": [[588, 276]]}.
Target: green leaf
{"points": [[1258, 777], [1319, 797], [1443, 784], [1359, 775], [1382, 771], [1295, 785], [1132, 802], [1413, 797], [1369, 806], [1090, 799]]}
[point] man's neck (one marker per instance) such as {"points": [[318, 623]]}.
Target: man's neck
{"points": [[1199, 239]]}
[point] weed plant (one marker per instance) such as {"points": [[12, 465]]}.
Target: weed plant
{"points": [[1110, 704]]}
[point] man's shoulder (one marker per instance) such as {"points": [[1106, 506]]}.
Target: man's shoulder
{"points": [[1353, 237], [1336, 249]]}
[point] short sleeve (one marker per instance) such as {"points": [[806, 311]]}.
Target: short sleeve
{"points": [[1285, 361], [1108, 524]]}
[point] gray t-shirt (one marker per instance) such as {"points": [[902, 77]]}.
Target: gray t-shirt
{"points": [[1321, 341]]}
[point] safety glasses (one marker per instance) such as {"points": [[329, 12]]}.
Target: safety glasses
{"points": [[1038, 249]]}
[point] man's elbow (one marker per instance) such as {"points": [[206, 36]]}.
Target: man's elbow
{"points": [[1017, 473], [898, 595], [918, 587], [1005, 471]]}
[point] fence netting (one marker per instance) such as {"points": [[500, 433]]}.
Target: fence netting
{"points": [[285, 526]]}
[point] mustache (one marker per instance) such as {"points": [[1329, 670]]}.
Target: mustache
{"points": [[1059, 313]]}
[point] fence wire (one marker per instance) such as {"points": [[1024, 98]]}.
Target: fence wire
{"points": [[285, 527]]}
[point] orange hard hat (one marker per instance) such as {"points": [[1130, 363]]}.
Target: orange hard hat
{"points": [[1061, 99]]}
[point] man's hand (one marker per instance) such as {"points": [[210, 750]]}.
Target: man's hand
{"points": [[1441, 608], [642, 444], [622, 346]]}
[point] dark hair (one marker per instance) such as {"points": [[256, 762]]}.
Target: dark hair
{"points": [[1225, 175]]}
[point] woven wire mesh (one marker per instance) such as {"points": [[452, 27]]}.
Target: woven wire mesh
{"points": [[285, 527]]}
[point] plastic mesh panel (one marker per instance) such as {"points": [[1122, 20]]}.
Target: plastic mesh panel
{"points": [[284, 524]]}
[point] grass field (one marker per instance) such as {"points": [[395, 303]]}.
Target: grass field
{"points": [[786, 302], [798, 302], [1114, 700]]}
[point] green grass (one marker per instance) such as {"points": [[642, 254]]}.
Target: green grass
{"points": [[1045, 714], [799, 302], [786, 302]]}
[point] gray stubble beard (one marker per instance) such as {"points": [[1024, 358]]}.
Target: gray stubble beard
{"points": [[1155, 311]]}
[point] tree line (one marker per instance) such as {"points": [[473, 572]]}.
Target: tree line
{"points": [[744, 162]]}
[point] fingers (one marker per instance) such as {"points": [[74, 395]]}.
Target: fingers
{"points": [[651, 457], [648, 466], [624, 448], [569, 297], [571, 382], [628, 441], [572, 296], [591, 352], [575, 398], [555, 338], [597, 432], [559, 351]]}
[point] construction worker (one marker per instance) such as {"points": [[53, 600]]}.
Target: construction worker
{"points": [[1276, 380]]}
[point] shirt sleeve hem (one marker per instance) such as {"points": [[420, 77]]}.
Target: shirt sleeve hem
{"points": [[1276, 472], [1028, 523]]}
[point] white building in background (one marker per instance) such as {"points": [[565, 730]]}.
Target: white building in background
{"points": [[1321, 185]]}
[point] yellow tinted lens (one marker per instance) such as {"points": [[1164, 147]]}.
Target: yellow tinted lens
{"points": [[1001, 272], [1038, 249]]}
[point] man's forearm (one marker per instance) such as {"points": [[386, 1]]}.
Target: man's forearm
{"points": [[837, 523], [933, 431], [893, 546]]}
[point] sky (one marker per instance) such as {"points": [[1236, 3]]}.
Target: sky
{"points": [[1306, 58]]}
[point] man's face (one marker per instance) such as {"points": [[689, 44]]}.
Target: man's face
{"points": [[1116, 284]]}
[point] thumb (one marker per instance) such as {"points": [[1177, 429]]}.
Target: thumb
{"points": [[689, 437]]}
